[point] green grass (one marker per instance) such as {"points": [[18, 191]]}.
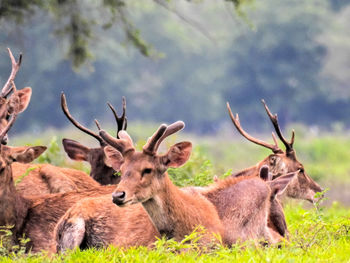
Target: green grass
{"points": [[321, 235]]}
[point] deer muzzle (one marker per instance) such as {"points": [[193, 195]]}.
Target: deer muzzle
{"points": [[119, 197]]}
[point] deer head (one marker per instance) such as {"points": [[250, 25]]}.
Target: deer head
{"points": [[282, 162], [18, 101], [10, 205], [143, 173], [101, 171]]}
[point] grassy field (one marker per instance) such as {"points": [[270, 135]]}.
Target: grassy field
{"points": [[318, 233]]}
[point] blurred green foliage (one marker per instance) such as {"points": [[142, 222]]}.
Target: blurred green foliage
{"points": [[293, 54]]}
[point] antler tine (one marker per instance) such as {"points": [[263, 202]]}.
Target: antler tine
{"points": [[8, 126], [274, 138], [123, 145], [171, 129], [236, 122], [274, 120], [77, 124], [150, 146], [15, 67], [122, 120]]}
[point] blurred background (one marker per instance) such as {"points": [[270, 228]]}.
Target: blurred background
{"points": [[294, 54], [184, 60]]}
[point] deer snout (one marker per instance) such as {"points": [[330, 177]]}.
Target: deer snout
{"points": [[118, 197]]}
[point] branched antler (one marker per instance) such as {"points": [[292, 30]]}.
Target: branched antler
{"points": [[274, 120], [122, 121], [236, 122], [77, 124], [15, 67], [123, 145]]}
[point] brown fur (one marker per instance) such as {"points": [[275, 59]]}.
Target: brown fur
{"points": [[45, 211], [34, 216], [242, 204], [96, 222], [46, 178], [176, 213]]}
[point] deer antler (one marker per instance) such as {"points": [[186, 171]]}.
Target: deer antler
{"points": [[15, 67], [77, 124], [122, 121], [123, 145], [236, 122], [8, 127], [163, 131], [149, 147], [274, 120], [171, 129]]}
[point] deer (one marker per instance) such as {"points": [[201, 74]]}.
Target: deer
{"points": [[33, 216], [101, 170], [280, 162], [46, 178], [92, 221]]}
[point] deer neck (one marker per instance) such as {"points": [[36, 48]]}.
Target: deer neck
{"points": [[248, 171], [13, 206], [253, 170], [167, 210]]}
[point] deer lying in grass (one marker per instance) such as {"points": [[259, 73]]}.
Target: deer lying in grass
{"points": [[33, 216], [101, 170], [92, 221], [280, 162], [46, 178], [174, 212]]}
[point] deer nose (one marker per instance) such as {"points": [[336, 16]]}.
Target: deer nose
{"points": [[118, 197]]}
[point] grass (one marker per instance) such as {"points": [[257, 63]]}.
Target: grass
{"points": [[321, 235], [317, 234]]}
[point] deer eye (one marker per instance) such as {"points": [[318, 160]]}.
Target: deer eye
{"points": [[146, 171]]}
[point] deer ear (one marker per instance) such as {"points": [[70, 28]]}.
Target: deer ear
{"points": [[264, 173], [177, 155], [113, 158], [279, 185], [75, 150], [26, 154], [24, 96]]}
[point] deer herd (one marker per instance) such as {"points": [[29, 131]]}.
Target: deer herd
{"points": [[128, 199]]}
